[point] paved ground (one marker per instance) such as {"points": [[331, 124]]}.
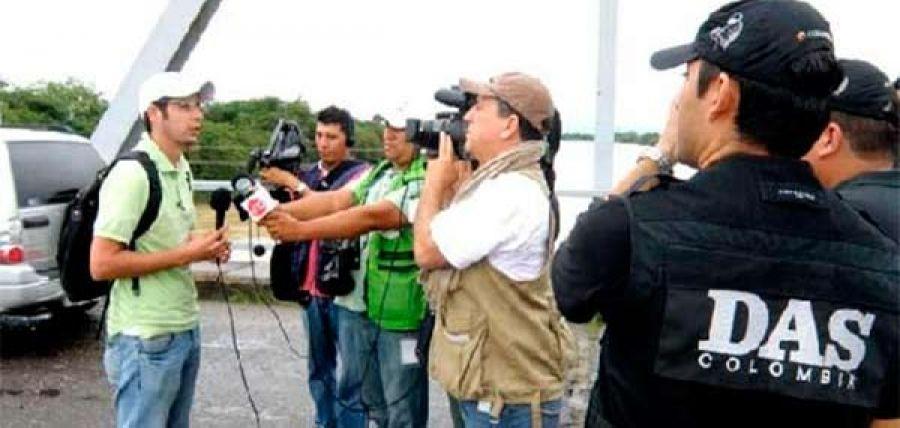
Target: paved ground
{"points": [[51, 373], [51, 376]]}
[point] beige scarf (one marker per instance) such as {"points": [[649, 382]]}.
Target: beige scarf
{"points": [[524, 157]]}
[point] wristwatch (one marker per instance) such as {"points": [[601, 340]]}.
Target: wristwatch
{"points": [[656, 155]]}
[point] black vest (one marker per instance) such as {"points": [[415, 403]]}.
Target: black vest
{"points": [[337, 257], [756, 298], [876, 195]]}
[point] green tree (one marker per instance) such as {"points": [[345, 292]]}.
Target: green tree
{"points": [[230, 132], [233, 129], [69, 104]]}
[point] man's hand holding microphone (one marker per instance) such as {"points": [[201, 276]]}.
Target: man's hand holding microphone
{"points": [[263, 209]]}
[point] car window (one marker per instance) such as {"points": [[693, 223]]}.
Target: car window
{"points": [[51, 171]]}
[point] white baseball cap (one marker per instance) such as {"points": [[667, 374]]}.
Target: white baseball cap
{"points": [[172, 84], [395, 117]]}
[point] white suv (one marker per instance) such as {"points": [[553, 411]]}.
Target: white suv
{"points": [[40, 172]]}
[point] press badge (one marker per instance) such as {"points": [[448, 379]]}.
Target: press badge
{"points": [[408, 352]]}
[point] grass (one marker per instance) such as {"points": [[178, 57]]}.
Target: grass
{"points": [[206, 220]]}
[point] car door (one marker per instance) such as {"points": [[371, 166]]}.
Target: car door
{"points": [[47, 175]]}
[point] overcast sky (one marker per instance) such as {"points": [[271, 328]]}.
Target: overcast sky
{"points": [[371, 55]]}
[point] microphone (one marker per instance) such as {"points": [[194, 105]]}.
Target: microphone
{"points": [[252, 198], [219, 201]]}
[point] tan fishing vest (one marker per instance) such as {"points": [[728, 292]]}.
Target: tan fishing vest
{"points": [[499, 340]]}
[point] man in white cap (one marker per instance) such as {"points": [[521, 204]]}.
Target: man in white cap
{"points": [[381, 377], [152, 351]]}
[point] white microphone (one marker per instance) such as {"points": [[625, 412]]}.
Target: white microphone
{"points": [[256, 199]]}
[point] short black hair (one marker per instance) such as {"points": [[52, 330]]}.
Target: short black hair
{"points": [[785, 123], [161, 104], [527, 131], [869, 137], [335, 115]]}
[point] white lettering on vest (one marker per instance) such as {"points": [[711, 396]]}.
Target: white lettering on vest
{"points": [[840, 334], [722, 323], [798, 325]]}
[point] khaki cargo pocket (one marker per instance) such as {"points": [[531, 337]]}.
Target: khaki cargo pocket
{"points": [[567, 346], [457, 349]]}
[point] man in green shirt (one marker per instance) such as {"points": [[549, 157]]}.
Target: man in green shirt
{"points": [[378, 323], [152, 351]]}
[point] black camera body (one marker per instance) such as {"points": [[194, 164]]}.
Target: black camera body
{"points": [[285, 151], [426, 133]]}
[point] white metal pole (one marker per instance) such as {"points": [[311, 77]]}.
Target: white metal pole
{"points": [[167, 49], [604, 135]]}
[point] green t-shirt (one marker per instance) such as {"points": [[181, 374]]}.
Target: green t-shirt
{"points": [[167, 302], [380, 191]]}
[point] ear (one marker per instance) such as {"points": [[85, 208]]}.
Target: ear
{"points": [[726, 97], [154, 112], [512, 126], [829, 143]]}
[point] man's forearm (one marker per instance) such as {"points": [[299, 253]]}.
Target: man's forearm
{"points": [[318, 204], [644, 167], [428, 256], [351, 223], [123, 263]]}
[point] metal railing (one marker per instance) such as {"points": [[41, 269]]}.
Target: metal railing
{"points": [[211, 185]]}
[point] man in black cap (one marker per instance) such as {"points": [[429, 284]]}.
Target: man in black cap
{"points": [[748, 295], [856, 155]]}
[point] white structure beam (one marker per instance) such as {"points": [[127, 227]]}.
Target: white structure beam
{"points": [[167, 49], [604, 131]]}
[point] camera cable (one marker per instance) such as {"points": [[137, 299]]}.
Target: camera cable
{"points": [[237, 352], [262, 296]]}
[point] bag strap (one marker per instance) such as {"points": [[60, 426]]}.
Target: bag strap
{"points": [[154, 200]]}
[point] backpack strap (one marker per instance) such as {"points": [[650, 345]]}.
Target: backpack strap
{"points": [[151, 211]]}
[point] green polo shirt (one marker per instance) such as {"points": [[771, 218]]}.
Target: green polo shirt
{"points": [[167, 302], [405, 198]]}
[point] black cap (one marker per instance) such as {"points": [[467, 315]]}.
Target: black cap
{"points": [[761, 40], [867, 92]]}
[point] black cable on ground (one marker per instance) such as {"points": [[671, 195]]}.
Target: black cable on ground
{"points": [[237, 352], [264, 298]]}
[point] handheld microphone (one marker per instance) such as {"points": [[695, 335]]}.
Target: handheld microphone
{"points": [[254, 199], [219, 201]]}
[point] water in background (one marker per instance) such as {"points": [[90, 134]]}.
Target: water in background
{"points": [[575, 171]]}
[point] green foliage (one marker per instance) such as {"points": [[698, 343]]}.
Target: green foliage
{"points": [[71, 104], [577, 136], [645, 139], [233, 129], [230, 132]]}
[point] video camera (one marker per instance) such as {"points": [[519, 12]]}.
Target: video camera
{"points": [[286, 149], [426, 133]]}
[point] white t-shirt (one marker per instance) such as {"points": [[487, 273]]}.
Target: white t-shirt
{"points": [[506, 219]]}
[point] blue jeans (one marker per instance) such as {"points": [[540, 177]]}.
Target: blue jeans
{"points": [[359, 395], [153, 378], [321, 330], [512, 415], [404, 380]]}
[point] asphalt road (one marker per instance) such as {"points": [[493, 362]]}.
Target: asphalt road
{"points": [[51, 374]]}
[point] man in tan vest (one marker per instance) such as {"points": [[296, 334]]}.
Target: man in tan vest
{"points": [[499, 346]]}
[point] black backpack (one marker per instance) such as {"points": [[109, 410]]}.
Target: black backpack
{"points": [[73, 253]]}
